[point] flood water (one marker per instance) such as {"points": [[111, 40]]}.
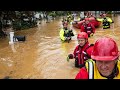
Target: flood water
{"points": [[43, 55]]}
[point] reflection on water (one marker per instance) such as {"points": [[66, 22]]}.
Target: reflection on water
{"points": [[43, 55]]}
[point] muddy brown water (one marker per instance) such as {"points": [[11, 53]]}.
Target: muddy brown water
{"points": [[43, 55]]}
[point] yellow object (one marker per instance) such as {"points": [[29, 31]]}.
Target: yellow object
{"points": [[108, 19], [98, 19], [96, 72], [62, 34], [105, 26], [91, 34], [78, 19]]}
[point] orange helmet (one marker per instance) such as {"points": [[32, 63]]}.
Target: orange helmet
{"points": [[82, 35], [105, 49]]}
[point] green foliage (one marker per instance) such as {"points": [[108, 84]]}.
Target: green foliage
{"points": [[109, 12]]}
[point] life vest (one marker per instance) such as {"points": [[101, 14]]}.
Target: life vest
{"points": [[71, 33], [62, 34], [106, 22], [88, 29], [66, 33], [93, 72], [80, 54]]}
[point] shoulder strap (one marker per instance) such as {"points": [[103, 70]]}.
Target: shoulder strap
{"points": [[91, 27], [90, 69]]}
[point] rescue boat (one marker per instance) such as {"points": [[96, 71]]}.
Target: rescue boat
{"points": [[78, 24]]}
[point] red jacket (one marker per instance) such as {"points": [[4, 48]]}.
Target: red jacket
{"points": [[83, 29], [83, 74], [79, 52]]}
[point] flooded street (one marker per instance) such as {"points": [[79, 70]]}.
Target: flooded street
{"points": [[43, 55]]}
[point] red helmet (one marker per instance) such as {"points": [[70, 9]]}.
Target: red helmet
{"points": [[82, 35], [105, 49]]}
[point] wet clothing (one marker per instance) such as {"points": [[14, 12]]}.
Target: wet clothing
{"points": [[64, 34], [106, 22], [101, 20], [81, 54], [90, 71], [71, 33], [88, 28]]}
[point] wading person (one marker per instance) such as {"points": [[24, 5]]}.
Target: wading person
{"points": [[105, 62]]}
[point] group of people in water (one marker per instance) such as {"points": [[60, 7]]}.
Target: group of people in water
{"points": [[88, 25], [96, 61]]}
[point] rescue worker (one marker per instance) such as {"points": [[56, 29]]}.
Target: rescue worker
{"points": [[82, 52], [105, 63], [65, 34], [88, 28], [106, 21]]}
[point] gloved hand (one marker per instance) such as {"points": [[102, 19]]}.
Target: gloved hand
{"points": [[91, 34], [67, 58], [70, 56]]}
